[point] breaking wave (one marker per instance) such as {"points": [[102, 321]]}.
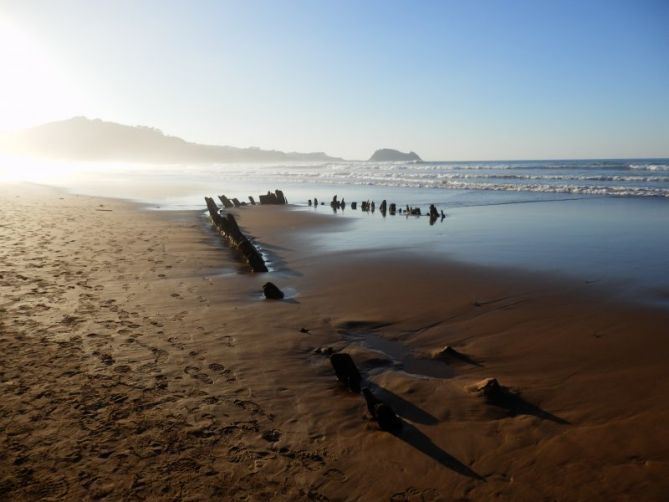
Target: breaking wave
{"points": [[650, 167], [620, 178]]}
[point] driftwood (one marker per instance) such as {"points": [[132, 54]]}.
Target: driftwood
{"points": [[253, 202], [227, 225]]}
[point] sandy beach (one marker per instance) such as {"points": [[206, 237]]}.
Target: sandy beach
{"points": [[139, 360]]}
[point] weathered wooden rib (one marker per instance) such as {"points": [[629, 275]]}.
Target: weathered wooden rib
{"points": [[227, 225], [227, 203], [281, 197], [273, 198]]}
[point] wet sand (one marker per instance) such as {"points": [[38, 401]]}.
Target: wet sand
{"points": [[136, 361]]}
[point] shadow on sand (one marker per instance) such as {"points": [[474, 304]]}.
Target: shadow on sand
{"points": [[467, 359], [412, 436], [450, 355], [514, 405], [402, 407]]}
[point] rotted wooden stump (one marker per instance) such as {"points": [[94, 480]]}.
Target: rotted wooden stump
{"points": [[272, 292], [346, 371]]}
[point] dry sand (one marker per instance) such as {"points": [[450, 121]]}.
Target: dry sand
{"points": [[137, 362]]}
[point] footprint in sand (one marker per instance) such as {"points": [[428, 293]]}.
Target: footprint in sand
{"points": [[271, 436], [227, 340], [159, 354], [184, 465], [174, 341], [161, 381], [310, 460], [194, 372], [53, 489], [180, 316], [106, 359], [251, 406], [412, 493]]}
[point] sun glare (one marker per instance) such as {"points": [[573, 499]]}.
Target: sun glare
{"points": [[34, 87]]}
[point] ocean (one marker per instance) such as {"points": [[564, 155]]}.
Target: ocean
{"points": [[600, 221]]}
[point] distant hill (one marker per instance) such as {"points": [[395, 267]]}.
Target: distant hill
{"points": [[80, 138], [389, 155]]}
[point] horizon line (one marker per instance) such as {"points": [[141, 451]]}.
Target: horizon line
{"points": [[519, 159]]}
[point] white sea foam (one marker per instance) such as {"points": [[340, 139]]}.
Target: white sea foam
{"points": [[615, 178], [650, 167]]}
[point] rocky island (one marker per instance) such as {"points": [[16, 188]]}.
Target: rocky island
{"points": [[390, 155]]}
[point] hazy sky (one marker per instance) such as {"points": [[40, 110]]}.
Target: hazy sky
{"points": [[452, 80]]}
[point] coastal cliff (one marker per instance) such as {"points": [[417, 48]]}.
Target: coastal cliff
{"points": [[80, 138]]}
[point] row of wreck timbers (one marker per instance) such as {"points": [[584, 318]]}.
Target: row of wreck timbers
{"points": [[229, 229], [384, 208], [271, 198], [343, 365], [227, 224]]}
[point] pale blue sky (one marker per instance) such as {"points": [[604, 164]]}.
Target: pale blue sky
{"points": [[451, 80]]}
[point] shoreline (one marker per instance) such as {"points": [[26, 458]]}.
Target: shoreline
{"points": [[618, 241], [193, 385], [301, 223]]}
